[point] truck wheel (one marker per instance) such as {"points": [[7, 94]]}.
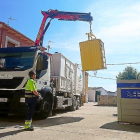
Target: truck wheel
{"points": [[74, 104], [46, 107], [78, 103]]}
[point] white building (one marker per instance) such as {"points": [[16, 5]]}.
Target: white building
{"points": [[94, 91]]}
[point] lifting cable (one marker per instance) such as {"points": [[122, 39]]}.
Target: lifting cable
{"points": [[124, 63], [117, 64], [112, 64], [102, 77]]}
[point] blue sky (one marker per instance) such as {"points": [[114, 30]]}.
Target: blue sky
{"points": [[116, 23]]}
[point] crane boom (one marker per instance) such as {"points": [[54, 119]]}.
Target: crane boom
{"points": [[60, 15]]}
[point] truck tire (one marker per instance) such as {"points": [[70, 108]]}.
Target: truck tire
{"points": [[74, 104], [46, 107]]}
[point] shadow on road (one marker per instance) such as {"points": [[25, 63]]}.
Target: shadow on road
{"points": [[121, 127], [10, 133], [105, 105], [12, 119], [115, 115], [57, 121], [17, 121]]}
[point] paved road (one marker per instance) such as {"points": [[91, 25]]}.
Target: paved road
{"points": [[90, 122]]}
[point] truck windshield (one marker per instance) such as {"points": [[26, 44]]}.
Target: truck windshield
{"points": [[16, 61]]}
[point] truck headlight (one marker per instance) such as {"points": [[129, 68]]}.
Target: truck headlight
{"points": [[22, 100]]}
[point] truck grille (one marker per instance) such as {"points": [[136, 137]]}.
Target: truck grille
{"points": [[11, 83]]}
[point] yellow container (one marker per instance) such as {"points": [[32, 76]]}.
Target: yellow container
{"points": [[92, 55], [128, 101]]}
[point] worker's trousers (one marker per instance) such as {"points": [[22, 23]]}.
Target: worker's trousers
{"points": [[29, 114]]}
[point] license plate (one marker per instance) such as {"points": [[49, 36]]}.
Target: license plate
{"points": [[3, 99], [22, 100]]}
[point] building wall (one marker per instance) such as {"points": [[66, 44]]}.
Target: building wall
{"points": [[15, 39], [102, 91], [9, 34], [1, 37], [112, 93], [91, 95], [107, 100]]}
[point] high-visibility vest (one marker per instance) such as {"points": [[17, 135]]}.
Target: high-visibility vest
{"points": [[29, 88]]}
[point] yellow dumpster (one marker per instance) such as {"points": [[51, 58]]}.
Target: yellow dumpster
{"points": [[92, 55]]}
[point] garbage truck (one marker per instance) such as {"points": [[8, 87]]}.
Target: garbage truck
{"points": [[59, 81]]}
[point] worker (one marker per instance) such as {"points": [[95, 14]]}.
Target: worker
{"points": [[30, 98]]}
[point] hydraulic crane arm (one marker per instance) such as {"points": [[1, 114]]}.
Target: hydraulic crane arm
{"points": [[60, 15]]}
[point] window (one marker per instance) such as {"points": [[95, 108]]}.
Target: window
{"points": [[42, 64], [16, 60], [11, 42]]}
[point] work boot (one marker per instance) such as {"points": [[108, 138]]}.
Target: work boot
{"points": [[29, 128], [32, 126]]}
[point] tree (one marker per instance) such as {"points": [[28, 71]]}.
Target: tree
{"points": [[129, 73]]}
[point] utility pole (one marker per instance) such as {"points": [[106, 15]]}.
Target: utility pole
{"points": [[48, 47]]}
